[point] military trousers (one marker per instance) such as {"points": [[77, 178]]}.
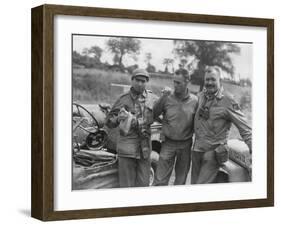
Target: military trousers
{"points": [[174, 154], [205, 167], [133, 172]]}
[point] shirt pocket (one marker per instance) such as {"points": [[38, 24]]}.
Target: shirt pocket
{"points": [[218, 125], [217, 119]]}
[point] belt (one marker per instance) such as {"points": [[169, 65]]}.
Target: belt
{"points": [[176, 141]]}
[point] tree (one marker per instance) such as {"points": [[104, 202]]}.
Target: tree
{"points": [[149, 67], [131, 68], [121, 47], [167, 62], [116, 59], [91, 56], [148, 57], [183, 62], [76, 57], [85, 51], [96, 52], [207, 53]]}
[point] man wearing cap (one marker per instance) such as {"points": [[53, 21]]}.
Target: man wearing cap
{"points": [[178, 110], [216, 112], [132, 112]]}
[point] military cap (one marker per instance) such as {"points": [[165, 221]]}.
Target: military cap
{"points": [[140, 72]]}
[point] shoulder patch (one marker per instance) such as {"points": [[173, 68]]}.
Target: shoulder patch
{"points": [[236, 106], [229, 102]]}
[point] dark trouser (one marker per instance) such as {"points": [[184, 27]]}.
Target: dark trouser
{"points": [[172, 152], [133, 172], [204, 167]]}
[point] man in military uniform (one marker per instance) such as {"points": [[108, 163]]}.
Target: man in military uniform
{"points": [[178, 111], [132, 112], [215, 114]]}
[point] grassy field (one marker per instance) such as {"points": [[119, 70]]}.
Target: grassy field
{"points": [[92, 85]]}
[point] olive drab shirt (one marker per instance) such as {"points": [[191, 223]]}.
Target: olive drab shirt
{"points": [[178, 116], [212, 130], [141, 107]]}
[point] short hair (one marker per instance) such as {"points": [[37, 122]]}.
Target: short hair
{"points": [[210, 69]]}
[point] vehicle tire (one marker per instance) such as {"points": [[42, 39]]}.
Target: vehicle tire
{"points": [[96, 139]]}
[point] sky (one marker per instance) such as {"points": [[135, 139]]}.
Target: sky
{"points": [[160, 49]]}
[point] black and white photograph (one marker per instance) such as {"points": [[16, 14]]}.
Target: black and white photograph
{"points": [[150, 112]]}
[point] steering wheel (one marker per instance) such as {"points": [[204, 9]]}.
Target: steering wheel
{"points": [[87, 128], [82, 116]]}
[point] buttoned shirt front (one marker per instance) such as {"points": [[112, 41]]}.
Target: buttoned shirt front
{"points": [[214, 129], [178, 116]]}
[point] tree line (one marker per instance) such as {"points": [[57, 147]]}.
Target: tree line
{"points": [[193, 55]]}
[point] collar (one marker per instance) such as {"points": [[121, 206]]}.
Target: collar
{"points": [[135, 95], [218, 94]]}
